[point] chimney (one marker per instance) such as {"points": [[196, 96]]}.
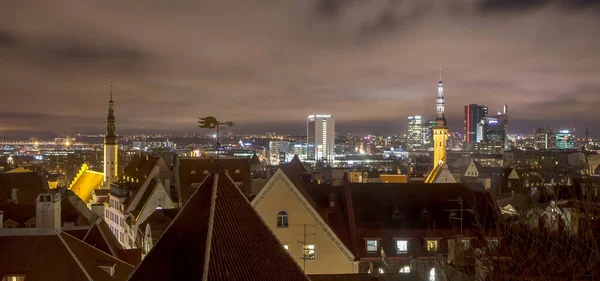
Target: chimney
{"points": [[1, 219], [47, 211]]}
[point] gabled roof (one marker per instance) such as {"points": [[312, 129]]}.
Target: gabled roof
{"points": [[49, 254], [159, 220], [192, 171], [139, 168], [28, 184], [441, 174], [217, 235], [294, 171], [86, 183], [374, 204]]}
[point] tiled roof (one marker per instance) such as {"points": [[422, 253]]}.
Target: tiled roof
{"points": [[140, 168], [144, 197], [295, 170], [48, 254], [219, 236], [28, 184], [20, 213], [86, 183], [159, 220], [192, 171], [374, 204]]}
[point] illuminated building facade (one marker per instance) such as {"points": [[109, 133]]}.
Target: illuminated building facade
{"points": [[111, 146], [474, 114], [275, 150], [544, 138], [415, 133], [565, 140], [321, 138]]}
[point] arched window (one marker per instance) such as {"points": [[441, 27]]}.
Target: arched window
{"points": [[432, 274], [282, 219]]}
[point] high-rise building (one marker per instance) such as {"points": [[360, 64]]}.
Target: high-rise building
{"points": [[544, 138], [565, 140], [415, 134], [275, 150], [474, 114], [111, 146], [440, 130], [321, 138]]}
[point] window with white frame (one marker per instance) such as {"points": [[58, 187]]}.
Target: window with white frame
{"points": [[401, 246], [372, 246], [432, 245], [380, 270], [282, 219], [308, 252], [465, 243], [405, 269], [286, 247]]}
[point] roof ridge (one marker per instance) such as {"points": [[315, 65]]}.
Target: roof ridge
{"points": [[211, 221], [100, 251], [74, 256]]}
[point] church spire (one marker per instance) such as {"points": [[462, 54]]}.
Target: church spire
{"points": [[440, 72], [440, 119], [111, 136]]}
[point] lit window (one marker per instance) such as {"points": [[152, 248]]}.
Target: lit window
{"points": [[432, 245], [432, 274], [308, 252], [372, 246], [286, 247], [282, 219], [13, 277], [405, 269], [380, 270], [401, 246]]}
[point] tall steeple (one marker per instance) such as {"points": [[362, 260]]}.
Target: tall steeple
{"points": [[439, 115], [111, 148], [440, 131]]}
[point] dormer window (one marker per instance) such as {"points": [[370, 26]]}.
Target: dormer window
{"points": [[206, 172], [372, 245], [432, 245], [401, 246], [237, 171], [192, 172]]}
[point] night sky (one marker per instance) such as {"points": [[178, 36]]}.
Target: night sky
{"points": [[267, 64]]}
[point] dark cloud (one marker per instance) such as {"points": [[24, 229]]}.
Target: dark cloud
{"points": [[267, 66], [525, 5], [7, 39]]}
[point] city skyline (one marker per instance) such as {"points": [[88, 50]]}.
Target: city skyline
{"points": [[370, 64]]}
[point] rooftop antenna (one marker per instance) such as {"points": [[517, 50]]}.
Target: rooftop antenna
{"points": [[440, 72], [110, 91]]}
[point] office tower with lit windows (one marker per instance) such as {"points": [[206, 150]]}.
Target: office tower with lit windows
{"points": [[320, 137], [415, 134], [474, 114], [565, 140], [544, 138]]}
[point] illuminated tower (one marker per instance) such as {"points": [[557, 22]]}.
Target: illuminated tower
{"points": [[111, 148], [440, 130]]}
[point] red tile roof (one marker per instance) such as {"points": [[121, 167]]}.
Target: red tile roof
{"points": [[219, 235], [192, 171], [28, 184], [49, 254]]}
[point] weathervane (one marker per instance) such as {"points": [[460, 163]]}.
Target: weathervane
{"points": [[211, 122]]}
